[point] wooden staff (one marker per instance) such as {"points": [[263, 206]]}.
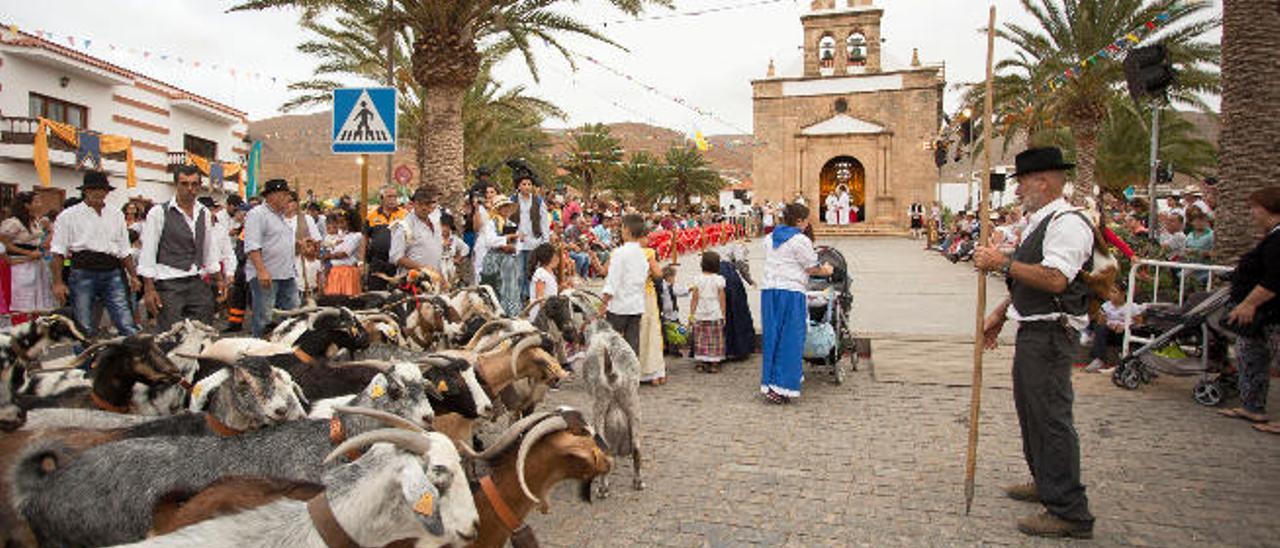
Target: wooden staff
{"points": [[975, 397]]}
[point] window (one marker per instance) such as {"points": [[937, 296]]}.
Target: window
{"points": [[7, 194], [58, 110], [856, 47], [203, 148], [827, 52]]}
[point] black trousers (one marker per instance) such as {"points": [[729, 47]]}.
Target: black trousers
{"points": [[1043, 396], [628, 325], [188, 297]]}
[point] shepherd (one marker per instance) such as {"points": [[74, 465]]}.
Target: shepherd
{"points": [[1049, 302]]}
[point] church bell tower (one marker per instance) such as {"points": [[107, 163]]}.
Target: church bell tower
{"points": [[841, 37]]}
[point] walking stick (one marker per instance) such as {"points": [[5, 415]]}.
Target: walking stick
{"points": [[975, 397]]}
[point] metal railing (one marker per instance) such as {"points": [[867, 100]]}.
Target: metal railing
{"points": [[1181, 273]]}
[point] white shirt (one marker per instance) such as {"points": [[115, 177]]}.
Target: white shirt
{"points": [[412, 238], [225, 248], [486, 240], [349, 243], [785, 267], [152, 229], [549, 288], [275, 237], [709, 287], [628, 271], [1068, 244], [1121, 316], [81, 228], [526, 224]]}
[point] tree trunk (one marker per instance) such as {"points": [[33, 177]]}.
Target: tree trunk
{"points": [[444, 168], [1250, 119], [420, 154], [1085, 133]]}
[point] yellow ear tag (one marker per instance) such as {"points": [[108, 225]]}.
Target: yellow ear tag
{"points": [[442, 387], [195, 392], [377, 392], [424, 505]]}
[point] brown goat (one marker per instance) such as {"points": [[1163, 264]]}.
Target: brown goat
{"points": [[494, 370], [225, 496]]}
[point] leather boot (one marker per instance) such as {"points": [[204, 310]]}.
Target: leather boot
{"points": [[1045, 524], [1025, 492]]}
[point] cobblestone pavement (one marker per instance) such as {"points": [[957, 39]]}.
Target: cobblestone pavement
{"points": [[880, 462]]}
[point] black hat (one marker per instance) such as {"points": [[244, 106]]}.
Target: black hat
{"points": [[424, 194], [521, 170], [1034, 160], [483, 171], [95, 179], [274, 185], [207, 202]]}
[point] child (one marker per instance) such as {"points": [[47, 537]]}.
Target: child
{"points": [[544, 259], [706, 313], [624, 285], [668, 293], [452, 253], [342, 253], [1117, 314]]}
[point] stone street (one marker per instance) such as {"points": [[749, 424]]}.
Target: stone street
{"points": [[879, 461]]}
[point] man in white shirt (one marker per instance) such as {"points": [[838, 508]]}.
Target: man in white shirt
{"points": [[534, 226], [416, 241], [271, 246], [179, 248], [94, 237], [1049, 301], [624, 285]]}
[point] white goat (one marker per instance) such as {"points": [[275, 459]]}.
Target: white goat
{"points": [[611, 371]]}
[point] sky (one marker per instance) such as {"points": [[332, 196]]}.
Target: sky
{"points": [[706, 61]]}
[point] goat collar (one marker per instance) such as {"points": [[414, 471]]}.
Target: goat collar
{"points": [[220, 428], [302, 355], [106, 405], [338, 434], [326, 524], [504, 512]]}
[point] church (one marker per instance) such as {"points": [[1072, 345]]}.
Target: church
{"points": [[842, 120]]}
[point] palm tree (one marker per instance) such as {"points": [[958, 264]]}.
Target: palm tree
{"points": [[639, 179], [445, 59], [1124, 147], [1250, 117], [592, 158], [689, 174], [1069, 31]]}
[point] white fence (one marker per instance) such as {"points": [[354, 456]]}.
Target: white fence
{"points": [[1182, 272]]}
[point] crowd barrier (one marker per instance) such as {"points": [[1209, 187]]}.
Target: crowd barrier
{"points": [[666, 243]]}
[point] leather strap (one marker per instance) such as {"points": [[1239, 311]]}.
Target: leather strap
{"points": [[302, 355], [220, 427], [505, 514], [106, 405], [186, 385], [326, 524], [337, 435]]}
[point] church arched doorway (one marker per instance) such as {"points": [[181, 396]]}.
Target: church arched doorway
{"points": [[843, 172]]}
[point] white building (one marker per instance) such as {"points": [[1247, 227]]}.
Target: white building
{"points": [[41, 78]]}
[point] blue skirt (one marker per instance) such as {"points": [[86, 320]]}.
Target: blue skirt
{"points": [[784, 320]]}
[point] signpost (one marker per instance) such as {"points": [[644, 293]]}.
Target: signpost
{"points": [[364, 122]]}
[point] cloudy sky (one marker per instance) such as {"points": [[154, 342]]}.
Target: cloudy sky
{"points": [[705, 60]]}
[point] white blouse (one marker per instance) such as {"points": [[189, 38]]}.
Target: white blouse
{"points": [[785, 266]]}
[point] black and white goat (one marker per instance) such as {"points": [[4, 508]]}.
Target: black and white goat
{"points": [[20, 348], [406, 485], [452, 378], [116, 367], [611, 371]]}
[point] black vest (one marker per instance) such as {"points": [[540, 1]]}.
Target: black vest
{"points": [[178, 247], [1029, 301]]}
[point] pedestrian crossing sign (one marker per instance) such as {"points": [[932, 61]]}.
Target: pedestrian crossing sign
{"points": [[364, 121]]}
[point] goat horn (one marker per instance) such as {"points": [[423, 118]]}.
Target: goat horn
{"points": [[498, 325], [528, 307], [297, 311], [551, 425], [384, 417], [380, 365], [511, 434], [414, 442], [187, 356], [529, 341]]}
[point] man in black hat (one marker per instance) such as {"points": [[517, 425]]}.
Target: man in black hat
{"points": [[271, 250], [1048, 300], [534, 223], [95, 239], [179, 255]]}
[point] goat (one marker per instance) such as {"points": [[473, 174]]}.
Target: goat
{"points": [[523, 395], [117, 366], [453, 378], [612, 374], [499, 367], [249, 400], [20, 347], [60, 507], [413, 487], [182, 340], [552, 447]]}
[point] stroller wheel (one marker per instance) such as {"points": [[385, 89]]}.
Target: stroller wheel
{"points": [[1117, 376], [1131, 378], [1207, 393]]}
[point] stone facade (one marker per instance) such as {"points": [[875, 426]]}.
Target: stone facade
{"points": [[848, 119]]}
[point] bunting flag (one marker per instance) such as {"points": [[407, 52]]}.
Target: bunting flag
{"points": [[216, 171], [88, 150], [250, 187], [1115, 49], [701, 142], [107, 144]]}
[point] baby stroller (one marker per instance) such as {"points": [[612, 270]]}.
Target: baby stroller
{"points": [[828, 339], [1198, 347]]}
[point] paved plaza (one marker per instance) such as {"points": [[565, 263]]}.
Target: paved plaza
{"points": [[879, 461]]}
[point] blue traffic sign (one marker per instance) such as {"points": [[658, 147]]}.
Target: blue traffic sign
{"points": [[364, 121]]}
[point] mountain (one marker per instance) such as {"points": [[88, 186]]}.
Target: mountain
{"points": [[296, 148]]}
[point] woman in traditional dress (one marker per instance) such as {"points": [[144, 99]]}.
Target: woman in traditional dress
{"points": [[653, 365], [833, 209], [789, 261], [739, 329], [31, 284], [500, 268], [342, 253]]}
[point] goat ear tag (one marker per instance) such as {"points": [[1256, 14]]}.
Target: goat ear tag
{"points": [[415, 487], [442, 387], [377, 391], [425, 505]]}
